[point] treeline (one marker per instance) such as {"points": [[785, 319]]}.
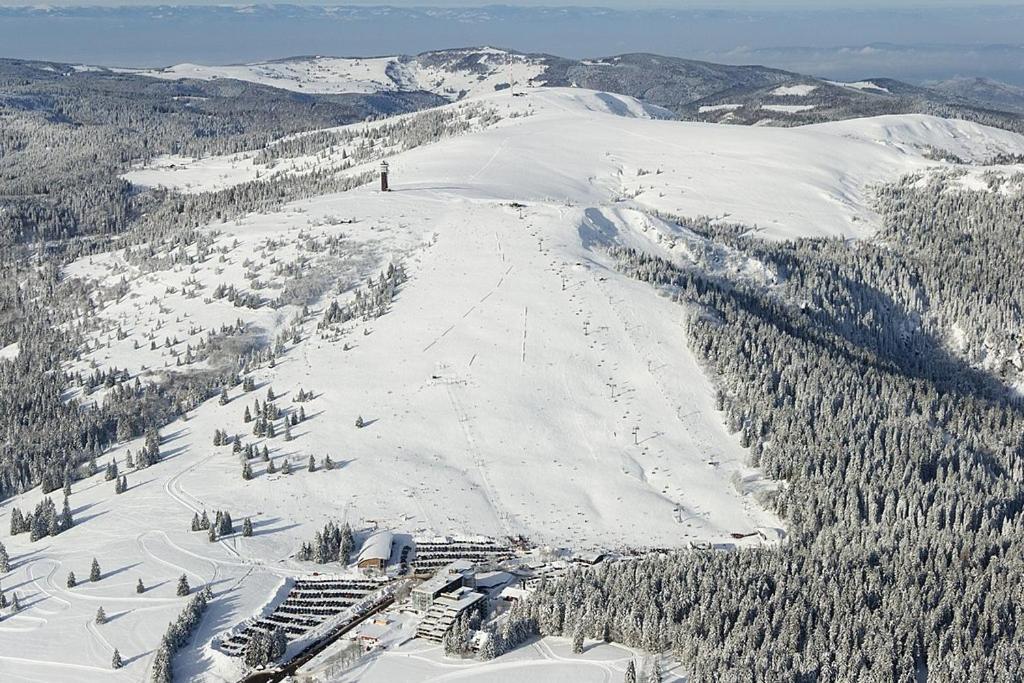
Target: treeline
{"points": [[368, 143], [178, 634]]}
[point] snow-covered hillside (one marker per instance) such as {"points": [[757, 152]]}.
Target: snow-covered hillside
{"points": [[591, 148], [452, 74], [516, 384]]}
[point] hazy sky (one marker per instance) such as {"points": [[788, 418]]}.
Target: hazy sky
{"points": [[617, 4]]}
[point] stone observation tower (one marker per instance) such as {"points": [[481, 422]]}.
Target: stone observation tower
{"points": [[384, 176]]}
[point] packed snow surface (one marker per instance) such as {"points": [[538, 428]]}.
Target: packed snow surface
{"points": [[517, 384], [718, 107], [860, 85], [799, 90], [788, 108]]}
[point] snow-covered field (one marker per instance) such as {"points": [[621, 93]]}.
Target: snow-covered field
{"points": [[718, 107], [517, 384], [548, 660], [860, 85], [788, 108], [798, 90]]}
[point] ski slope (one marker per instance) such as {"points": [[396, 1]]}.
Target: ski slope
{"points": [[517, 384]]}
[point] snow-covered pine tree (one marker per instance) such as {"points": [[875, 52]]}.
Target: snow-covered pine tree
{"points": [[17, 521], [278, 644], [53, 526], [247, 527], [140, 587], [66, 519], [161, 672], [257, 650], [183, 587], [654, 675], [456, 639], [72, 581], [489, 648], [101, 616], [94, 570], [347, 543], [116, 662], [577, 641]]}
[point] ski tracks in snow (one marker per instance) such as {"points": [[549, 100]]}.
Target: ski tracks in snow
{"points": [[48, 579], [470, 309], [505, 518], [173, 488], [490, 160], [140, 540], [526, 313]]}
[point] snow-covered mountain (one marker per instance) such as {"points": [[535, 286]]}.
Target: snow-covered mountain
{"points": [[587, 148], [450, 73], [692, 89], [984, 91], [513, 382]]}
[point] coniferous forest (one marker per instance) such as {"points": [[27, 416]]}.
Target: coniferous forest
{"points": [[902, 464]]}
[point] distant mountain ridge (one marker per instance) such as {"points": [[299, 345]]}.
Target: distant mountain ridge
{"points": [[984, 91], [692, 89]]}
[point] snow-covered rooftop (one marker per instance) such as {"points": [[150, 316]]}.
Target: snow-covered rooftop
{"points": [[377, 546]]}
